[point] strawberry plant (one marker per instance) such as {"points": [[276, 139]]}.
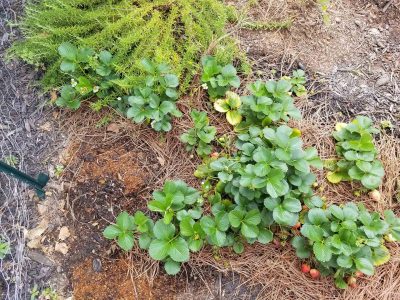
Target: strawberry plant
{"points": [[91, 75], [218, 79], [230, 105], [201, 135], [171, 238], [298, 80], [270, 170], [154, 102], [357, 153], [346, 239], [269, 102], [124, 228]]}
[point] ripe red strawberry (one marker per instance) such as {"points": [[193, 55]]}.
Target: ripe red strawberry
{"points": [[305, 268], [297, 225], [314, 273]]}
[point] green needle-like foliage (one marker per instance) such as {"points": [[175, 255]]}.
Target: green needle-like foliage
{"points": [[175, 32]]}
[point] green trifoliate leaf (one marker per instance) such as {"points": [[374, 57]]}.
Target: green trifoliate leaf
{"points": [[312, 232], [344, 261], [284, 217], [179, 250], [195, 245], [171, 80], [291, 204], [105, 57], [68, 51], [163, 231], [238, 247], [253, 217], [249, 231], [265, 236], [317, 216], [322, 251], [364, 265], [144, 241], [336, 211], [236, 217], [111, 232], [301, 246], [125, 221], [158, 249], [172, 267], [126, 241]]}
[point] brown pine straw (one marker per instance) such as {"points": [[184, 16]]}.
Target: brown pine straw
{"points": [[272, 273]]}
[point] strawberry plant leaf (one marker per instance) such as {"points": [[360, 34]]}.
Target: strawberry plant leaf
{"points": [[364, 265], [126, 241], [159, 249], [172, 267], [179, 250]]}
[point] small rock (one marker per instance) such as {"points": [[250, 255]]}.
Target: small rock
{"points": [[64, 233], [383, 80], [358, 23], [61, 247], [338, 20], [40, 258], [42, 209], [374, 31], [96, 264]]}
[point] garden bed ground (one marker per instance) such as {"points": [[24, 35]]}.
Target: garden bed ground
{"points": [[354, 68]]}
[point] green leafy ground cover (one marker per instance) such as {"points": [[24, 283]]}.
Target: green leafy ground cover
{"points": [[173, 32]]}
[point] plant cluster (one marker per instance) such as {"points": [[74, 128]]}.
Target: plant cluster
{"points": [[171, 238], [91, 75], [269, 102], [218, 79], [346, 240], [174, 32], [357, 153], [155, 101], [201, 135], [262, 188], [270, 173]]}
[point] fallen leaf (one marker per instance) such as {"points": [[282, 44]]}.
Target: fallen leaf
{"points": [[64, 233], [161, 160], [53, 95], [34, 235], [113, 127], [46, 126], [61, 247]]}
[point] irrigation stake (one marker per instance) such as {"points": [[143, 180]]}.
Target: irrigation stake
{"points": [[38, 183]]}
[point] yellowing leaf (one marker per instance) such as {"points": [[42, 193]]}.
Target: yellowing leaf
{"points": [[333, 177], [233, 100], [296, 132], [221, 105], [340, 126], [381, 256], [233, 117]]}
